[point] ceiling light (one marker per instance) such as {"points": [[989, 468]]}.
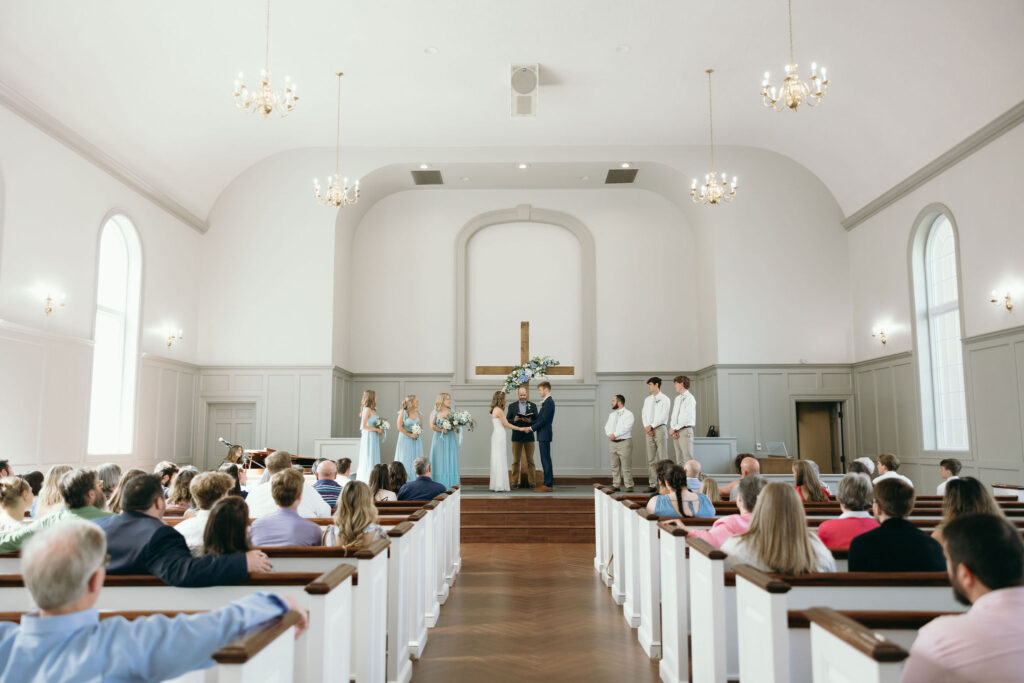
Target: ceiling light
{"points": [[523, 167], [584, 177], [265, 100], [424, 167], [713, 191], [625, 164], [430, 50], [337, 193], [464, 178], [794, 92], [622, 49]]}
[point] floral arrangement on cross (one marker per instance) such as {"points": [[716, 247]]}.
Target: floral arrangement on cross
{"points": [[524, 374]]}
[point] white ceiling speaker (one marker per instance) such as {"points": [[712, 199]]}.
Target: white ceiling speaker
{"points": [[525, 79]]}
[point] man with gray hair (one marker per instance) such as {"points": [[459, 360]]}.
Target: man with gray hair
{"points": [[422, 487], [64, 568]]}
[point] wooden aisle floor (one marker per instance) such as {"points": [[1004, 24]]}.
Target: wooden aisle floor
{"points": [[531, 612]]}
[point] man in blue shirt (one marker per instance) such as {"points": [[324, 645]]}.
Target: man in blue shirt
{"points": [[64, 569], [422, 487], [285, 527]]}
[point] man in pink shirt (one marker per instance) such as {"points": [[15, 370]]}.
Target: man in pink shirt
{"points": [[985, 560], [730, 525]]}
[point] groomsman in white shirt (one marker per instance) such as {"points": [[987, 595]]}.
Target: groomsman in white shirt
{"points": [[655, 417], [619, 429], [684, 417]]}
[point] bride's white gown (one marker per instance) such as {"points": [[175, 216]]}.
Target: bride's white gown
{"points": [[499, 457]]}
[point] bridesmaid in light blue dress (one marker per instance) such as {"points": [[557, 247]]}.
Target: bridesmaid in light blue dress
{"points": [[409, 445], [369, 436], [444, 447]]}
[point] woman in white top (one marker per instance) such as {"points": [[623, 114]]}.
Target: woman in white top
{"points": [[15, 500], [778, 539], [380, 484], [499, 443]]}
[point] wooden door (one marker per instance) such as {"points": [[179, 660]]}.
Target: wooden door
{"points": [[815, 427]]}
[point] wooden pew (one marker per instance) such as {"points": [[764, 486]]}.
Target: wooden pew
{"points": [[769, 651], [319, 654], [1014, 490]]}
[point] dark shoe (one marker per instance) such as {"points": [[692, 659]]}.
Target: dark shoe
{"points": [[543, 489], [650, 489], [628, 490]]}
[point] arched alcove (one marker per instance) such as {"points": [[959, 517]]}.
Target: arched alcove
{"points": [[525, 213]]}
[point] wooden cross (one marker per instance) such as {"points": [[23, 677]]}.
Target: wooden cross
{"points": [[524, 358]]}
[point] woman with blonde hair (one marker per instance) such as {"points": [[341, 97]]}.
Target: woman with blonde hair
{"points": [[444, 447], [15, 500], [709, 487], [807, 483], [49, 499], [965, 496], [778, 539], [409, 446], [355, 521], [369, 436]]}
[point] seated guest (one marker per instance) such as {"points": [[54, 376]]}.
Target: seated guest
{"points": [[896, 545], [82, 492], [206, 489], [868, 464], [965, 497], [949, 468], [35, 480], [261, 499], [238, 475], [778, 539], [380, 484], [344, 471], [114, 504], [693, 480], [140, 543], [858, 467], [5, 469], [63, 569], [855, 502], [422, 487], [397, 474], [986, 569], [709, 487], [109, 474], [355, 522], [807, 483], [730, 525], [227, 528], [235, 455], [285, 527], [179, 500], [745, 464], [15, 500], [675, 500], [326, 482], [49, 499], [887, 466], [167, 471]]}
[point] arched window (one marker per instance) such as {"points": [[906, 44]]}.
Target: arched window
{"points": [[939, 350], [116, 340]]}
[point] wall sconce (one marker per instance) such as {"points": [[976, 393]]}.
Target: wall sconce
{"points": [[172, 337], [879, 334], [53, 302], [1002, 299]]}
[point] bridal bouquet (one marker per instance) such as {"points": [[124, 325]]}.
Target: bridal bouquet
{"points": [[462, 419], [416, 430], [382, 424], [445, 423], [523, 374]]}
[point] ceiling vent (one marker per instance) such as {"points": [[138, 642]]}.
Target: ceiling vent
{"points": [[525, 79], [618, 176], [427, 177]]}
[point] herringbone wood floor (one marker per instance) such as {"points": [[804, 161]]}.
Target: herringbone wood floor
{"points": [[531, 612]]}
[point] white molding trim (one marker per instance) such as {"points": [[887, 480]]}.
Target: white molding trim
{"points": [[172, 362], [47, 334], [31, 112], [882, 360], [993, 335], [992, 130]]}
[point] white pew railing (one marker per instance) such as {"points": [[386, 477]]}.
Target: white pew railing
{"points": [[648, 569], [674, 607], [630, 563], [844, 650], [712, 615]]}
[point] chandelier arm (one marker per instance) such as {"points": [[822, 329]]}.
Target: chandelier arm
{"points": [[337, 139], [711, 124], [790, 8]]}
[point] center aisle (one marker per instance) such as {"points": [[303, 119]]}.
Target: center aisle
{"points": [[531, 611]]}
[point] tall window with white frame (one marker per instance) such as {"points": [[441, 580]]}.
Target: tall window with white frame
{"points": [[116, 340], [941, 363]]}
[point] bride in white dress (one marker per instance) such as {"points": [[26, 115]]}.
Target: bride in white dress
{"points": [[499, 443]]}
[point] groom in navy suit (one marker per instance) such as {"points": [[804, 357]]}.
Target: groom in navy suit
{"points": [[542, 427]]}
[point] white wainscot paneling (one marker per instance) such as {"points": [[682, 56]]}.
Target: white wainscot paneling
{"points": [[166, 409]]}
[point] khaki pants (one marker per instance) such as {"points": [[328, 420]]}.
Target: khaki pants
{"points": [[684, 445], [622, 462], [655, 452], [522, 458]]}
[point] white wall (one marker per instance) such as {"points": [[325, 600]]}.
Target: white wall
{"points": [[983, 193], [403, 262], [268, 269], [54, 205]]}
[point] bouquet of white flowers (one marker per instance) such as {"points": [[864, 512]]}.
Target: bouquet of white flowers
{"points": [[382, 424], [416, 430], [463, 418], [445, 423]]}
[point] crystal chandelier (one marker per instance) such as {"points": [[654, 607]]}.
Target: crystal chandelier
{"points": [[794, 91], [265, 100], [337, 192], [714, 191]]}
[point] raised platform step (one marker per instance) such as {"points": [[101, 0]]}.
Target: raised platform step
{"points": [[527, 520]]}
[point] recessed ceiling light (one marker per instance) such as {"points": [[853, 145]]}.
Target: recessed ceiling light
{"points": [[424, 167], [464, 178], [622, 49], [584, 177], [625, 164], [431, 50], [523, 167]]}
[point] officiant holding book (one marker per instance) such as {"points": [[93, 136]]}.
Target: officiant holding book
{"points": [[522, 413]]}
